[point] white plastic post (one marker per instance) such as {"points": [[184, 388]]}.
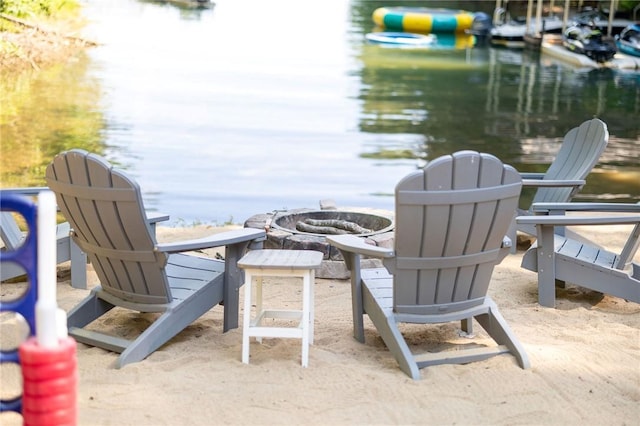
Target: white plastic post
{"points": [[46, 307]]}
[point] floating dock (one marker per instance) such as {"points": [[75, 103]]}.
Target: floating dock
{"points": [[552, 46]]}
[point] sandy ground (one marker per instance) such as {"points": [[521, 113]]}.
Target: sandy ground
{"points": [[584, 354]]}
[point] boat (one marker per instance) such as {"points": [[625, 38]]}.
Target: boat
{"points": [[510, 27], [601, 21], [628, 41], [186, 4], [509, 31], [588, 40], [402, 39], [512, 34], [423, 19], [481, 27]]}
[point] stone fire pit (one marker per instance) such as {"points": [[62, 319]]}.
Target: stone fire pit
{"points": [[307, 229]]}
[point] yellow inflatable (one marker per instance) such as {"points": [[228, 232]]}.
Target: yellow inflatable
{"points": [[423, 19]]}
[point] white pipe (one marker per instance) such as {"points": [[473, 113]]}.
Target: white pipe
{"points": [[612, 12], [46, 305], [496, 17], [539, 17]]}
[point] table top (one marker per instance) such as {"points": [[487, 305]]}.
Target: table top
{"points": [[281, 259]]}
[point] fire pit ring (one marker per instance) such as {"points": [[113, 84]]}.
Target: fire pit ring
{"points": [[368, 223], [286, 230]]}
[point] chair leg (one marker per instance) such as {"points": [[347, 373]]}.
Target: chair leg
{"points": [[233, 278], [353, 261], [512, 233], [91, 308], [392, 337], [495, 324], [156, 335], [546, 267], [78, 266], [467, 325], [163, 329]]}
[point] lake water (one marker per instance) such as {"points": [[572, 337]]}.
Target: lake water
{"points": [[243, 109], [254, 106]]}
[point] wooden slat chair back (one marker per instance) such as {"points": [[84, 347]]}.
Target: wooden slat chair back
{"points": [[110, 225], [451, 219], [450, 226], [579, 153]]}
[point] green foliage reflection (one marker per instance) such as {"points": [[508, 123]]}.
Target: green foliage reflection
{"points": [[44, 113]]}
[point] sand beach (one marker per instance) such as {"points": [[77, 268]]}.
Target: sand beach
{"points": [[585, 358]]}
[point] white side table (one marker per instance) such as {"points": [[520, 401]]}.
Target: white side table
{"points": [[279, 263]]}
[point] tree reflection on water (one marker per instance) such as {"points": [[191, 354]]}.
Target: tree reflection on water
{"points": [[39, 119]]}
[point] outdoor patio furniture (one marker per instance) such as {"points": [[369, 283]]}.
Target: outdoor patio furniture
{"points": [[451, 220], [299, 264], [66, 250], [577, 261], [580, 151], [105, 209]]}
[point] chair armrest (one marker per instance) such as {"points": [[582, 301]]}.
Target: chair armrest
{"points": [[560, 220], [353, 244], [544, 208], [33, 190], [152, 217], [553, 183], [215, 240], [155, 217], [531, 175]]}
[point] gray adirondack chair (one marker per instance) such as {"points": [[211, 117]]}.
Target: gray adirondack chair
{"points": [[66, 250], [105, 209], [580, 151], [450, 225], [566, 259]]}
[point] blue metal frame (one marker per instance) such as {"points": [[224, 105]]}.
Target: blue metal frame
{"points": [[25, 256]]}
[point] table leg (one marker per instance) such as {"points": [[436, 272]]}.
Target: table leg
{"points": [[306, 309], [246, 317], [312, 308], [259, 303]]}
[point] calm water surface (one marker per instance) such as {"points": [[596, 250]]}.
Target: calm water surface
{"points": [[254, 106], [238, 110]]}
